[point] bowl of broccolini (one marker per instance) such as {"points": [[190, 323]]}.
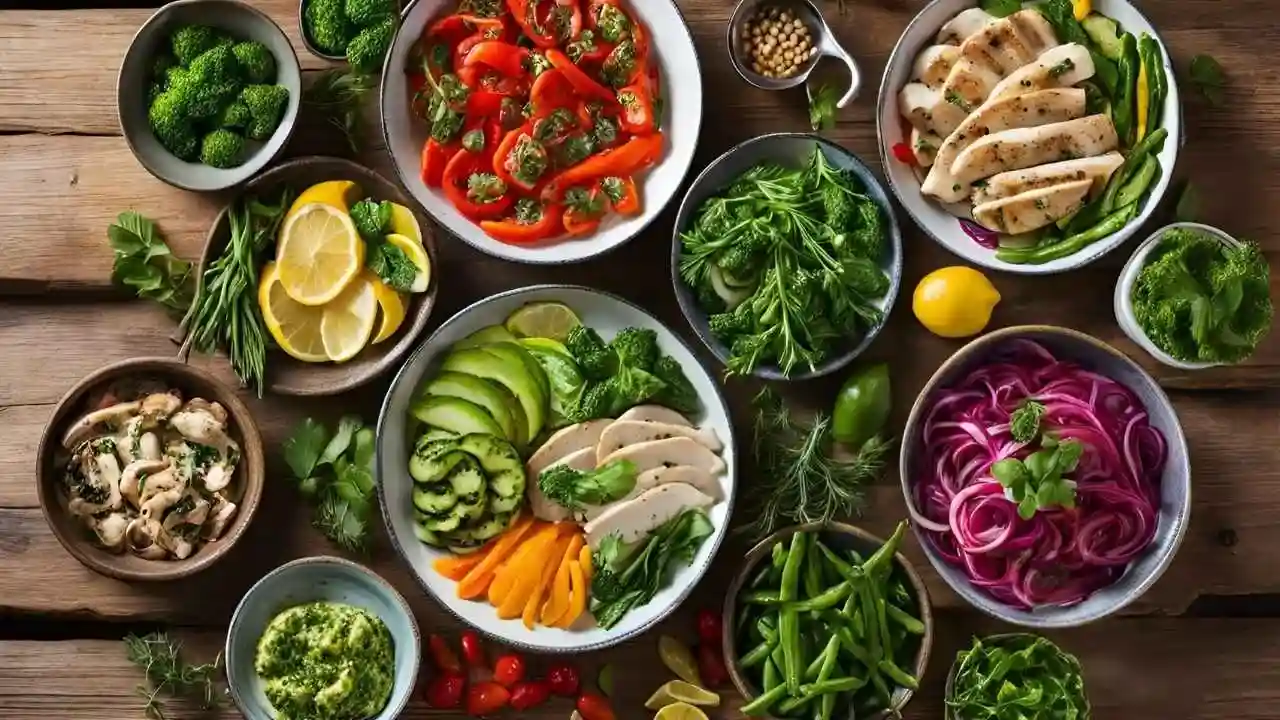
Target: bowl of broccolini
{"points": [[786, 257], [208, 93]]}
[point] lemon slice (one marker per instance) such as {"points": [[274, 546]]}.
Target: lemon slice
{"points": [[679, 691], [339, 194], [348, 321], [295, 327], [393, 308], [404, 223], [678, 659], [319, 254], [680, 711], [418, 256], [550, 320]]}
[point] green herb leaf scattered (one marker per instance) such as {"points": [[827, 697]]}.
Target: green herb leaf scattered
{"points": [[1001, 8], [167, 674], [1038, 482], [822, 107], [1023, 677], [337, 474], [1208, 77], [144, 262]]}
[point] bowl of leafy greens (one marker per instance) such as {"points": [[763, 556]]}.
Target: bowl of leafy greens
{"points": [[1015, 675], [786, 257], [1195, 297]]}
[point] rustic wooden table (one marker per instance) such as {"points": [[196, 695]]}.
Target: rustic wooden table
{"points": [[1185, 651]]}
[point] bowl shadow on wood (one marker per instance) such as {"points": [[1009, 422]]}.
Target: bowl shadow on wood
{"points": [[838, 537], [286, 375], [51, 459]]}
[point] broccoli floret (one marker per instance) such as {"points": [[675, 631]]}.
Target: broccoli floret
{"points": [[221, 149], [257, 64], [865, 236], [266, 105], [160, 64], [368, 49], [171, 127], [594, 358], [371, 218], [191, 41], [368, 12], [596, 402], [154, 89], [679, 394], [865, 277], [631, 387], [234, 116], [173, 77], [636, 347], [327, 26], [728, 325], [572, 488], [210, 83]]}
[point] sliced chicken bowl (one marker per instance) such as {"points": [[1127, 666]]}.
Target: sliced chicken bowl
{"points": [[1043, 135]]}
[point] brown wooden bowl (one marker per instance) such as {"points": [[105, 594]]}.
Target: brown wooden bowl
{"points": [[51, 458], [287, 375], [837, 536]]}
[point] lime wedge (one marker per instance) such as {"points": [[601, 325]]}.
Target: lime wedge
{"points": [[543, 320], [680, 711], [679, 691]]}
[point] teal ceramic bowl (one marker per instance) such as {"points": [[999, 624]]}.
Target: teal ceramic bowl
{"points": [[314, 579]]}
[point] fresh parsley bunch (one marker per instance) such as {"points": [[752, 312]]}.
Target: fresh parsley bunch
{"points": [[336, 473], [373, 221]]}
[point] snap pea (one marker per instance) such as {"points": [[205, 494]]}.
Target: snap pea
{"points": [[761, 704], [1123, 101], [762, 597], [897, 675], [1113, 223], [759, 653], [772, 677], [1157, 81], [905, 619], [1147, 174], [1150, 145]]}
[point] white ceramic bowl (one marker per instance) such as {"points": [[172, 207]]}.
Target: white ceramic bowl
{"points": [[1123, 301], [681, 121], [941, 225], [608, 314]]}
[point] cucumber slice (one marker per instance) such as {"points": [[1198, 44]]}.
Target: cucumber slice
{"points": [[500, 461], [434, 499], [732, 297], [501, 504], [426, 535], [492, 526], [442, 523], [433, 468]]}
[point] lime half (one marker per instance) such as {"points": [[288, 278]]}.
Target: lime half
{"points": [[543, 320]]}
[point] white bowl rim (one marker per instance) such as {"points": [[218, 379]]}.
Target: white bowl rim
{"points": [[986, 258], [652, 211], [717, 537], [994, 608], [333, 561], [1123, 300]]}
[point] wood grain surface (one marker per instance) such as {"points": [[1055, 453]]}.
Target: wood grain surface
{"points": [[66, 174]]}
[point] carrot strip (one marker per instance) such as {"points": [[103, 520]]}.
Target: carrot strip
{"points": [[525, 574], [456, 567], [558, 603], [477, 580], [577, 596], [564, 553], [584, 559]]}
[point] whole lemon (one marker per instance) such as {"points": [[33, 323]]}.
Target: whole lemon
{"points": [[954, 302]]}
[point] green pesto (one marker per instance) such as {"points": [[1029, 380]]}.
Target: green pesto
{"points": [[326, 661]]}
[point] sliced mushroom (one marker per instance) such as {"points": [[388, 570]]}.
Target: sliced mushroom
{"points": [[219, 518], [99, 472], [134, 472], [180, 547], [158, 407], [140, 536], [215, 409], [110, 530], [155, 506], [151, 446], [98, 423], [195, 515], [201, 426], [218, 477]]}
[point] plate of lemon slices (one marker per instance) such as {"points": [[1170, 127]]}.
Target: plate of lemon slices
{"points": [[349, 282]]}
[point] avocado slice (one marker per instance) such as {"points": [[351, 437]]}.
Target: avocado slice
{"points": [[494, 398], [509, 372], [486, 335], [513, 351], [454, 414]]}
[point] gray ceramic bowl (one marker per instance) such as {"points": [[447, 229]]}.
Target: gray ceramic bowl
{"points": [[790, 149], [238, 19], [1175, 486], [308, 580]]}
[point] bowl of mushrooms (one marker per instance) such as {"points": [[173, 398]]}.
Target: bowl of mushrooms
{"points": [[149, 469]]}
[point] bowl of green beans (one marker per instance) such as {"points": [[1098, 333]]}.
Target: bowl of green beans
{"points": [[826, 620]]}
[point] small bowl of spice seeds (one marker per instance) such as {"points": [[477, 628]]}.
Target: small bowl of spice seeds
{"points": [[775, 45]]}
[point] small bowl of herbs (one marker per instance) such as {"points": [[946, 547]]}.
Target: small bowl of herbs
{"points": [[1017, 675], [1194, 297]]}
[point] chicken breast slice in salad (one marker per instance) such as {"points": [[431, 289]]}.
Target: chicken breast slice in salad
{"points": [[649, 479], [1063, 66], [1033, 209], [564, 442], [622, 433], [636, 518], [1027, 147], [667, 453], [1015, 182]]}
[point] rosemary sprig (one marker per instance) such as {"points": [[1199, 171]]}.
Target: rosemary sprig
{"points": [[160, 658], [804, 481]]}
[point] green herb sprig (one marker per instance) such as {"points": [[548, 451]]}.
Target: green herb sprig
{"points": [[144, 262], [629, 577], [339, 95], [336, 473], [1024, 423], [1024, 677], [167, 674], [1038, 483], [1208, 77]]}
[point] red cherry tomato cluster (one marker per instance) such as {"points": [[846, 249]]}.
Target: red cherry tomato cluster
{"points": [[711, 667], [534, 143], [483, 691]]}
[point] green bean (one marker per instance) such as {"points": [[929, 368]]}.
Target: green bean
{"points": [[882, 559], [813, 571], [858, 652], [824, 660], [852, 573], [1122, 103], [897, 675], [761, 578], [1145, 176], [822, 600], [867, 598], [763, 702], [762, 597], [792, 705], [1112, 224], [791, 569], [882, 624], [844, 684], [789, 639], [905, 619], [1157, 82], [759, 653], [771, 677], [767, 625], [776, 659], [778, 555], [882, 690], [1150, 145]]}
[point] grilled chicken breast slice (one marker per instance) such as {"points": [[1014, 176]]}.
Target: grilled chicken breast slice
{"points": [[927, 111], [566, 441], [655, 413], [924, 146], [959, 28], [668, 453], [1027, 147], [933, 65], [634, 519], [1009, 43], [687, 474], [1033, 209], [1097, 169], [622, 433], [1042, 107], [1062, 66]]}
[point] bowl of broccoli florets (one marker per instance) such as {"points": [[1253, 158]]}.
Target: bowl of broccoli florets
{"points": [[208, 93], [356, 31]]}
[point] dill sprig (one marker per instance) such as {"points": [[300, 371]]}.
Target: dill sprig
{"points": [[803, 479], [160, 658]]}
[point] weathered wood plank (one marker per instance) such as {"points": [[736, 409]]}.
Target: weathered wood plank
{"points": [[44, 88], [1134, 669]]}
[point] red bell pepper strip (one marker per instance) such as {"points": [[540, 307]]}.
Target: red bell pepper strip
{"points": [[547, 21], [623, 195], [640, 38], [637, 108], [520, 11], [503, 162], [435, 156], [450, 29], [584, 210], [902, 152], [593, 11], [485, 103], [626, 159], [580, 81], [504, 57], [576, 224], [463, 49], [551, 90], [515, 232], [456, 185]]}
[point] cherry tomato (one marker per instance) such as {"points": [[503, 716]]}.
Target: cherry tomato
{"points": [[709, 626], [445, 658], [902, 152], [508, 670], [564, 680], [711, 663], [473, 650], [445, 691], [530, 694], [486, 698], [594, 707]]}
